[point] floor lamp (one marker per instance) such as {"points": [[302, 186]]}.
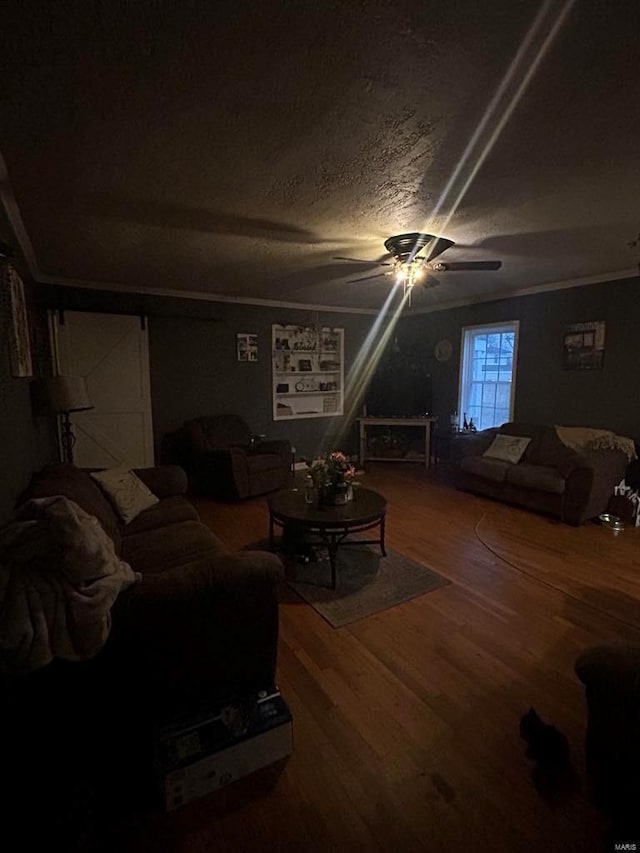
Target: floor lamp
{"points": [[67, 394]]}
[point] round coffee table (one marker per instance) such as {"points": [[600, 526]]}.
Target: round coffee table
{"points": [[332, 524]]}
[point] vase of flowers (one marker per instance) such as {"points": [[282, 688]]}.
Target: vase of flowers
{"points": [[332, 477]]}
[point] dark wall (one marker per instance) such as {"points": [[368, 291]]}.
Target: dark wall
{"points": [[194, 370], [26, 442], [545, 392]]}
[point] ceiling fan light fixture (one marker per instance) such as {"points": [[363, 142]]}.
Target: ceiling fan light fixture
{"points": [[407, 246], [409, 267]]}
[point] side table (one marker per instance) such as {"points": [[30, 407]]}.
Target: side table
{"points": [[443, 444]]}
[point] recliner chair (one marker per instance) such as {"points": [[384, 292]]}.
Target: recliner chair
{"points": [[225, 460]]}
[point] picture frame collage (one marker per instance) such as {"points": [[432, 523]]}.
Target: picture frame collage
{"points": [[246, 346]]}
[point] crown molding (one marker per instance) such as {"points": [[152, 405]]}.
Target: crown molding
{"points": [[199, 295], [167, 293], [585, 281]]}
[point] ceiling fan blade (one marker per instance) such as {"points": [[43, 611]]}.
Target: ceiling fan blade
{"points": [[367, 278], [465, 266], [377, 262], [355, 260]]}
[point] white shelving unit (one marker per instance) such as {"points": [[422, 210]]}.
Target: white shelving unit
{"points": [[308, 372]]}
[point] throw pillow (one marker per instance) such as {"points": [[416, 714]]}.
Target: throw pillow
{"points": [[508, 448], [126, 491]]}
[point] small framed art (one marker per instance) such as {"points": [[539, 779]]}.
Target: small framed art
{"points": [[583, 346], [246, 347]]}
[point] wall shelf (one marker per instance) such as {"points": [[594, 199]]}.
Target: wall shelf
{"points": [[301, 354]]}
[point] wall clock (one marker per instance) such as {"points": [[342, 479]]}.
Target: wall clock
{"points": [[443, 350]]}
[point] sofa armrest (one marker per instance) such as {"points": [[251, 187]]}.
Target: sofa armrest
{"points": [[611, 670], [210, 626], [611, 675], [238, 451], [277, 445], [164, 480], [473, 444], [241, 575], [591, 478]]}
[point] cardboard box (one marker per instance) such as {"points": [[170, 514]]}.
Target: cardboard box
{"points": [[200, 753]]}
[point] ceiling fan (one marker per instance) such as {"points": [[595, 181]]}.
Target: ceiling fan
{"points": [[409, 266]]}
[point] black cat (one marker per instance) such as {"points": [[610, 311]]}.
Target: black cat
{"points": [[545, 744]]}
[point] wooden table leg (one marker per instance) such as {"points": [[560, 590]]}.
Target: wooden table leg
{"points": [[333, 557]]}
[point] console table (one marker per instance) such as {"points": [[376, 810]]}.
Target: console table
{"points": [[424, 423]]}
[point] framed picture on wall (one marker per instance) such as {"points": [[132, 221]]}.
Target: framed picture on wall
{"points": [[583, 346], [19, 337], [246, 347]]}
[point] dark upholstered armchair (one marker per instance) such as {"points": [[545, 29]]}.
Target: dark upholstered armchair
{"points": [[224, 460], [611, 675]]}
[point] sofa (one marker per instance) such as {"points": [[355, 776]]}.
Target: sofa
{"points": [[224, 460], [200, 628], [611, 675], [201, 620], [550, 477]]}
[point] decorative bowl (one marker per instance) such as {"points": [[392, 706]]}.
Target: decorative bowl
{"points": [[613, 522]]}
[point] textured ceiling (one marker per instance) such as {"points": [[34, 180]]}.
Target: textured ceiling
{"points": [[238, 148]]}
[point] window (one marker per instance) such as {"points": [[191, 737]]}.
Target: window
{"points": [[487, 376]]}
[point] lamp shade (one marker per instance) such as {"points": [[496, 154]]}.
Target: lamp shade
{"points": [[67, 394]]}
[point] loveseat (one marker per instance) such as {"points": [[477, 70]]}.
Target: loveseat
{"points": [[198, 629], [224, 460], [550, 477]]}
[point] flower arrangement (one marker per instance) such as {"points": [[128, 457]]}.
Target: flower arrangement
{"points": [[332, 470]]}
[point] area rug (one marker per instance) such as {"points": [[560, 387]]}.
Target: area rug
{"points": [[367, 583]]}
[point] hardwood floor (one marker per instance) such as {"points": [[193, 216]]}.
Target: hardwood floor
{"points": [[406, 723]]}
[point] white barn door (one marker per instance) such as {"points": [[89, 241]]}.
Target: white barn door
{"points": [[111, 351]]}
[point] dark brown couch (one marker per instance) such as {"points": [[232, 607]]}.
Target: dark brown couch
{"points": [[202, 620], [200, 628], [224, 460], [550, 478]]}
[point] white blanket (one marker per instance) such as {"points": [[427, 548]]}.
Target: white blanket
{"points": [[587, 438], [59, 577]]}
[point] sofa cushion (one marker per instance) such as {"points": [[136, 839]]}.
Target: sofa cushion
{"points": [[547, 449], [535, 432], [489, 469], [172, 545], [126, 491], [167, 511], [509, 448], [542, 478], [62, 478]]}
